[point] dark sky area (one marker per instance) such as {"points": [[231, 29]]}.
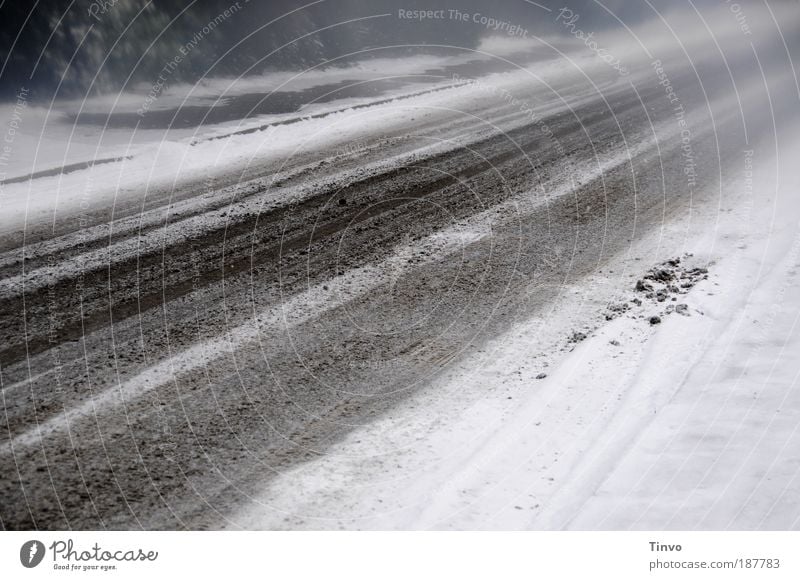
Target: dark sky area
{"points": [[74, 47]]}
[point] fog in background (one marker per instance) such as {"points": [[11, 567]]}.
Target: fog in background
{"points": [[71, 48]]}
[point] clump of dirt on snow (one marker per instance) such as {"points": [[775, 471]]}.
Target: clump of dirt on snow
{"points": [[662, 283]]}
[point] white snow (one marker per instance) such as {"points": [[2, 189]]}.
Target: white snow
{"points": [[170, 158], [689, 424], [161, 161], [45, 139]]}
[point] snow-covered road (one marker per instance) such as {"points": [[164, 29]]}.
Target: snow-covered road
{"points": [[547, 297], [688, 424]]}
